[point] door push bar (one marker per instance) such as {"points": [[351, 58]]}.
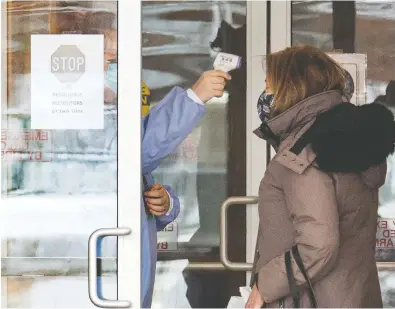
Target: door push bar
{"points": [[92, 268], [225, 263], [244, 200]]}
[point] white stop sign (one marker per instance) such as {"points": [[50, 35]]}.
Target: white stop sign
{"points": [[67, 64]]}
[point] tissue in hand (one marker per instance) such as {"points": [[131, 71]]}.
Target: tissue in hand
{"points": [[240, 301], [245, 292]]}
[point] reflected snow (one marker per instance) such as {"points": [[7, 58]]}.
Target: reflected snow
{"points": [[52, 208]]}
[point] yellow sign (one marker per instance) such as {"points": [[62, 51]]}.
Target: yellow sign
{"points": [[145, 99]]}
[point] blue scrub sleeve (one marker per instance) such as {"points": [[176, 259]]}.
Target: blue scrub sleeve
{"points": [[167, 125], [164, 220]]}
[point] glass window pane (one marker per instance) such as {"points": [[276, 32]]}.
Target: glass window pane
{"points": [[41, 283], [177, 49], [387, 283], [313, 23], [58, 186]]}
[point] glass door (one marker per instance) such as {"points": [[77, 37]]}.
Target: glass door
{"points": [[348, 27], [61, 154], [346, 30], [180, 40]]}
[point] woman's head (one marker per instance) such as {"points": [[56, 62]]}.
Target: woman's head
{"points": [[299, 72]]}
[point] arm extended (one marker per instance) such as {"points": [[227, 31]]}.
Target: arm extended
{"points": [[167, 125]]}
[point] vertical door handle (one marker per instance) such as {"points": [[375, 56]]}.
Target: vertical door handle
{"points": [[235, 200], [92, 269]]}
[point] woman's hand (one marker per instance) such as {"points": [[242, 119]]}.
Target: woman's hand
{"points": [[255, 300]]}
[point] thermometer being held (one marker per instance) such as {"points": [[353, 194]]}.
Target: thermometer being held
{"points": [[226, 62]]}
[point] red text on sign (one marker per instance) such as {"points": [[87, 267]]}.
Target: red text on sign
{"points": [[162, 245], [26, 145]]}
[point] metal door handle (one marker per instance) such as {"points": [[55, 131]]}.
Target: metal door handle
{"points": [[92, 268], [242, 200]]}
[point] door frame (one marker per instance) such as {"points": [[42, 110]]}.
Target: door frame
{"points": [[129, 145], [276, 37], [280, 37], [257, 45], [129, 151]]}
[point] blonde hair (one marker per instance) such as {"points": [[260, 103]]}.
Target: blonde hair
{"points": [[299, 72]]}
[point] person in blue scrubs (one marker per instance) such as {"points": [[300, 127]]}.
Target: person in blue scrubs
{"points": [[166, 125]]}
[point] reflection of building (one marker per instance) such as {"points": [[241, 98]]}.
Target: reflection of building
{"points": [[176, 50], [49, 201], [374, 32], [374, 36], [187, 151]]}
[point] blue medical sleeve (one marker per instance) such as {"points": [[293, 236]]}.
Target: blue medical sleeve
{"points": [[167, 125], [164, 220]]}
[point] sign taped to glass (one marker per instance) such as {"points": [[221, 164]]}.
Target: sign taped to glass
{"points": [[67, 82], [168, 238], [355, 64], [385, 237], [27, 145]]}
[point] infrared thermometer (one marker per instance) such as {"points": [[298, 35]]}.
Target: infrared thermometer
{"points": [[226, 62]]}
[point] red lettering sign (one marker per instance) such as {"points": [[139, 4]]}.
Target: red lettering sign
{"points": [[385, 236], [168, 238], [27, 145], [162, 245]]}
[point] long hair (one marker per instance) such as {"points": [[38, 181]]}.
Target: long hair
{"points": [[299, 72]]}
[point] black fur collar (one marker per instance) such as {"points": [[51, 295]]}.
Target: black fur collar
{"points": [[349, 138]]}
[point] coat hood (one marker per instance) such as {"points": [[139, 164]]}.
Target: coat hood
{"points": [[349, 138], [334, 135]]}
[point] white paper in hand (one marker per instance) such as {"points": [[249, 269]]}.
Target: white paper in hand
{"points": [[236, 302], [245, 292], [240, 301]]}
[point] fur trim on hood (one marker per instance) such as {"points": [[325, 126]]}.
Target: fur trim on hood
{"points": [[349, 138]]}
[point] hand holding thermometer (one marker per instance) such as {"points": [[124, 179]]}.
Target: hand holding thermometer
{"points": [[226, 62], [210, 84]]}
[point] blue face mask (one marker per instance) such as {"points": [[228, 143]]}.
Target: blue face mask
{"points": [[111, 76]]}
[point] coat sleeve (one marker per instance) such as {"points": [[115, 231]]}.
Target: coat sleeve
{"points": [[164, 220], [312, 206], [167, 125]]}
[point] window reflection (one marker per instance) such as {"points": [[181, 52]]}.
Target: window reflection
{"points": [[56, 204], [374, 33], [177, 49]]}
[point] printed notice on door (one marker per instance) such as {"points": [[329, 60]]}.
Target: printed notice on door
{"points": [[355, 64], [385, 237], [168, 238], [67, 82]]}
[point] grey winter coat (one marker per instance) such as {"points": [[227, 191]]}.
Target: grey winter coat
{"points": [[323, 197]]}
